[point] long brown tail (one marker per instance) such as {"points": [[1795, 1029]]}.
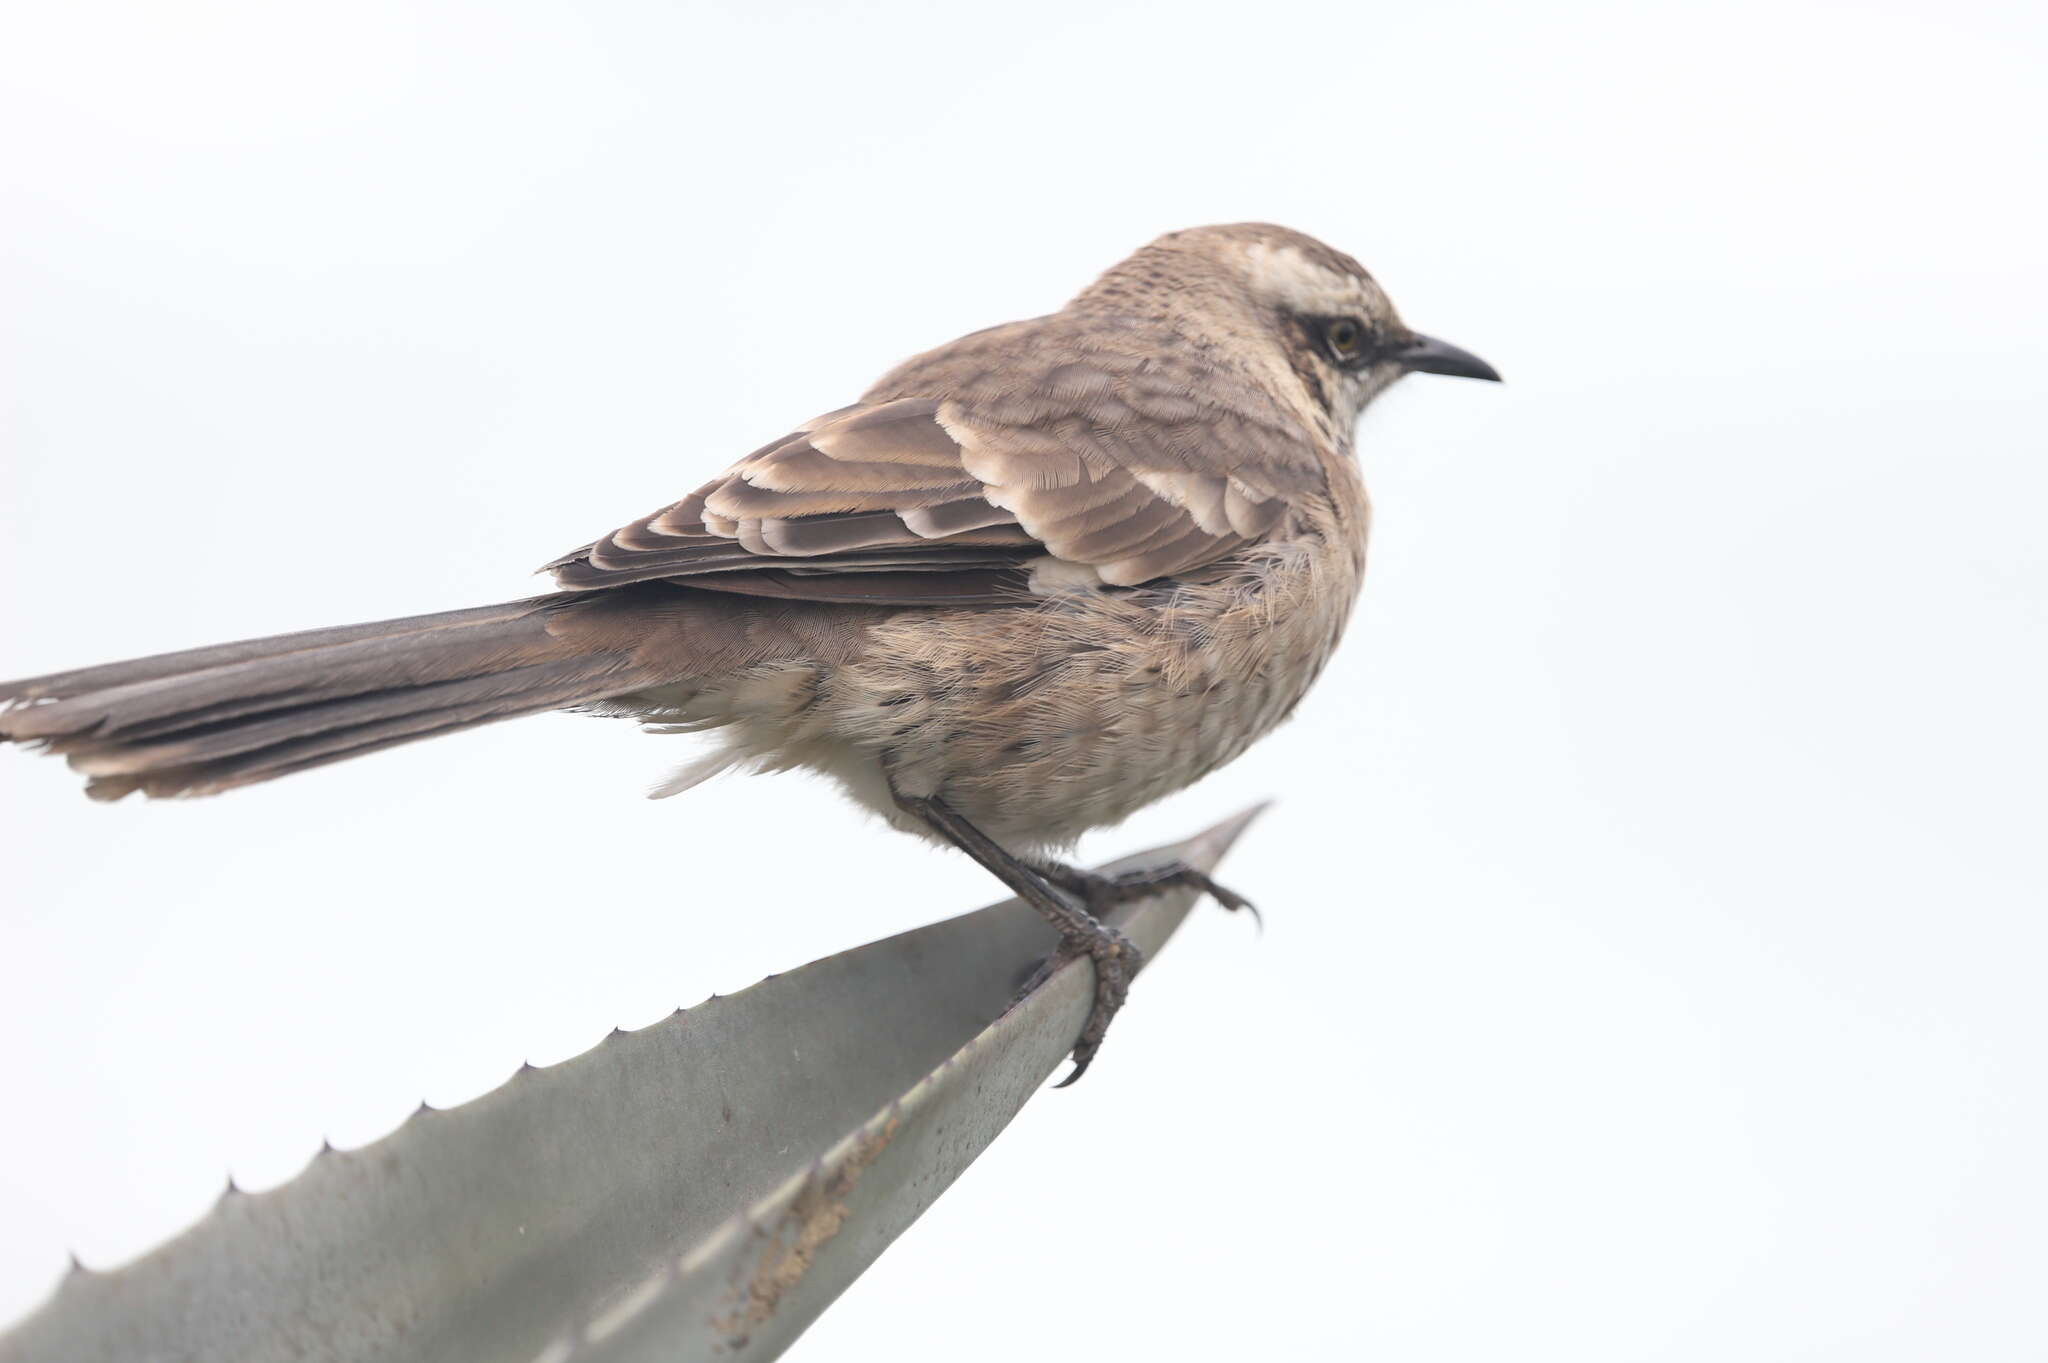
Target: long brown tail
{"points": [[211, 719]]}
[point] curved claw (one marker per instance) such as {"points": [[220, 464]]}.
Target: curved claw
{"points": [[1117, 959], [1228, 898], [1101, 893], [1049, 889]]}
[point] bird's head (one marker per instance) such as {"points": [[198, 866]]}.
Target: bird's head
{"points": [[1290, 298]]}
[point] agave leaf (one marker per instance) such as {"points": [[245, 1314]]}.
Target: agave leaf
{"points": [[701, 1188]]}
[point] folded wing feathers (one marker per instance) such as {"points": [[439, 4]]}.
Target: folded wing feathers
{"points": [[1115, 467], [965, 516]]}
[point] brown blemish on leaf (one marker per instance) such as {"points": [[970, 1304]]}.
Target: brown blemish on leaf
{"points": [[793, 1239]]}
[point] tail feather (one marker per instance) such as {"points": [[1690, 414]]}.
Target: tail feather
{"points": [[62, 684], [126, 753], [317, 750], [210, 719], [291, 675]]}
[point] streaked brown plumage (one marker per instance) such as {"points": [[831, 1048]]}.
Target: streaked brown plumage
{"points": [[1030, 582]]}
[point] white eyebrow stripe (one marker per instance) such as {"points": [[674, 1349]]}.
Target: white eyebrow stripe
{"points": [[1285, 274]]}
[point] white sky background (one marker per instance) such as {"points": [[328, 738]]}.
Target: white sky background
{"points": [[1656, 900]]}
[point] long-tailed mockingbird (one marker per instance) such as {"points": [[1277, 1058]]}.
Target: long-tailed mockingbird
{"points": [[1032, 581]]}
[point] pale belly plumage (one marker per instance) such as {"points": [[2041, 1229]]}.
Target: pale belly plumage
{"points": [[1070, 717]]}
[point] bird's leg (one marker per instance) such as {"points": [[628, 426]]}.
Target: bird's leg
{"points": [[1101, 893], [1116, 957]]}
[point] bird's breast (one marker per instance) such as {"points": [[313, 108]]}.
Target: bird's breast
{"points": [[1039, 724]]}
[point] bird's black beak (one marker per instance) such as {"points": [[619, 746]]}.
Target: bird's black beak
{"points": [[1427, 355]]}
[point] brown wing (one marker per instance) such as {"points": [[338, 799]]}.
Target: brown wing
{"points": [[1104, 461]]}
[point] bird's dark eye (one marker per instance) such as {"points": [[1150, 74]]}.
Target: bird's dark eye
{"points": [[1345, 338]]}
